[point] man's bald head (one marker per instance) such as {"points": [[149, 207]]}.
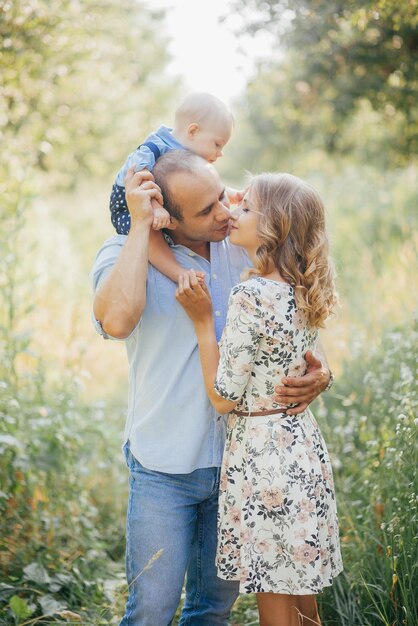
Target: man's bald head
{"points": [[170, 164], [194, 195]]}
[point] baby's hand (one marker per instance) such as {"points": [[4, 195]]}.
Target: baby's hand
{"points": [[235, 196], [161, 218], [200, 276], [187, 274]]}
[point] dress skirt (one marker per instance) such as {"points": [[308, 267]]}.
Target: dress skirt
{"points": [[278, 525]]}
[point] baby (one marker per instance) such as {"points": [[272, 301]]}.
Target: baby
{"points": [[202, 124]]}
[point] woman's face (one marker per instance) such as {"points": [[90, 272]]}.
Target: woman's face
{"points": [[244, 218]]}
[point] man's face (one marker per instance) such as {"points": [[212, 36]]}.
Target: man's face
{"points": [[203, 203]]}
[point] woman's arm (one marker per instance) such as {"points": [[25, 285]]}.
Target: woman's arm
{"points": [[195, 299], [209, 359]]}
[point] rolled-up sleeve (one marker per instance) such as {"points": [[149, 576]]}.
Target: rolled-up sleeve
{"points": [[103, 265], [105, 260], [239, 343]]}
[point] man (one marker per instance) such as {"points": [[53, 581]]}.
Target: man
{"points": [[173, 437]]}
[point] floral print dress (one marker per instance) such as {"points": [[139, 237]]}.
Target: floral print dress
{"points": [[278, 525]]}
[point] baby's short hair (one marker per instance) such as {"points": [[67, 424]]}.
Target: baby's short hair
{"points": [[202, 108], [175, 162]]}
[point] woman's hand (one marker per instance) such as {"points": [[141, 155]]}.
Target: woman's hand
{"points": [[195, 298]]}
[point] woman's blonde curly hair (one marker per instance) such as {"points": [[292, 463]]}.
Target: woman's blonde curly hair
{"points": [[293, 239]]}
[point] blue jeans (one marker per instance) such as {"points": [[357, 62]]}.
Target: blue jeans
{"points": [[172, 517]]}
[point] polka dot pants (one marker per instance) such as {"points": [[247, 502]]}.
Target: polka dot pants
{"points": [[121, 219]]}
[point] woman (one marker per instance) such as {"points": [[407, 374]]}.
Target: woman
{"points": [[278, 526]]}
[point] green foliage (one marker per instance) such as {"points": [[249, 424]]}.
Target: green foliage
{"points": [[60, 518], [372, 428], [74, 82], [373, 224], [245, 612], [345, 64]]}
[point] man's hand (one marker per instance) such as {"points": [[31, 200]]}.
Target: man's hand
{"points": [[304, 389], [141, 194]]}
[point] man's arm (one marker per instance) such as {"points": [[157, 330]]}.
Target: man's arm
{"points": [[304, 389], [120, 300]]}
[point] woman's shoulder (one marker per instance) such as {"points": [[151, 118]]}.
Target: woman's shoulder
{"points": [[247, 289], [245, 297], [268, 299], [264, 283], [260, 288], [257, 294]]}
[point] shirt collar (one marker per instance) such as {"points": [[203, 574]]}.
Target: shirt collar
{"points": [[189, 251], [166, 134]]}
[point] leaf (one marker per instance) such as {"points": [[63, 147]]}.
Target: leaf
{"points": [[9, 440], [70, 616], [37, 573], [60, 580], [50, 605], [20, 607]]}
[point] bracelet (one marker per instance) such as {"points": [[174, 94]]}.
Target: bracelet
{"points": [[330, 382]]}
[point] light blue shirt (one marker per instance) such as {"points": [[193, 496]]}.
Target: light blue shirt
{"points": [[143, 157], [171, 425]]}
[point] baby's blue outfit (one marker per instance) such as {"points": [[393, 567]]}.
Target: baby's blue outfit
{"points": [[144, 157]]}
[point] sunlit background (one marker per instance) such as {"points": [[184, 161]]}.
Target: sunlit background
{"points": [[205, 50], [325, 90]]}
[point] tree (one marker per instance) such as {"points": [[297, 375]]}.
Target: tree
{"points": [[73, 76], [341, 58]]}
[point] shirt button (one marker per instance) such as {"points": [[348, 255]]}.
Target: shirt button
{"points": [[217, 313], [215, 276], [192, 254]]}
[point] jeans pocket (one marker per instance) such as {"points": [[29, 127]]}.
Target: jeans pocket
{"points": [[131, 462], [127, 454]]}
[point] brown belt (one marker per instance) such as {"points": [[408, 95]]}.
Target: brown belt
{"points": [[259, 413]]}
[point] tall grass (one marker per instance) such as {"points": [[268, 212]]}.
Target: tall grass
{"points": [[60, 511], [60, 514], [371, 421]]}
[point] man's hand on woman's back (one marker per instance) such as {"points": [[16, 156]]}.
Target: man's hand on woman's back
{"points": [[304, 389]]}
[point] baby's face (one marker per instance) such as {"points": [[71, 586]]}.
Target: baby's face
{"points": [[209, 141]]}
